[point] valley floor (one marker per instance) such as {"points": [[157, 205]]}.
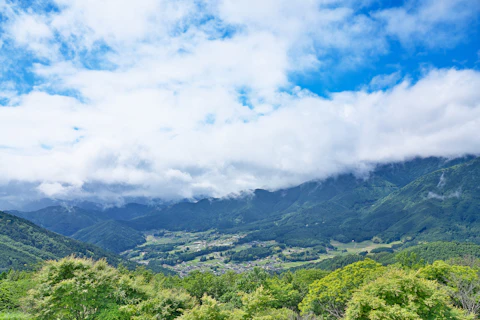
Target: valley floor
{"points": [[184, 252]]}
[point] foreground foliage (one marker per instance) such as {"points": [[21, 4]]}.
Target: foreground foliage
{"points": [[400, 294], [79, 288], [329, 296]]}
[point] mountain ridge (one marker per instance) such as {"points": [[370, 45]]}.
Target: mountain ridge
{"points": [[24, 244]]}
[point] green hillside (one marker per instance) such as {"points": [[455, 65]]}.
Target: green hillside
{"points": [[60, 219], [111, 235], [265, 207], [442, 205], [68, 220], [441, 250], [24, 244]]}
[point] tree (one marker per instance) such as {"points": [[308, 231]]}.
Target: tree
{"points": [[252, 280], [302, 278], [13, 287], [409, 260], [210, 309], [165, 305], [75, 288], [261, 304], [284, 293], [198, 283], [462, 283], [257, 301], [401, 294], [329, 296]]}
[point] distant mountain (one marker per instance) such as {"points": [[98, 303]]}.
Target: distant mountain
{"points": [[266, 206], [68, 220], [126, 212], [111, 235], [61, 219], [24, 244], [344, 208]]}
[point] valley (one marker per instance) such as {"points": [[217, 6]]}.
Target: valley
{"points": [[210, 251]]}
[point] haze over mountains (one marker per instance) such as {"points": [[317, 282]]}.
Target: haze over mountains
{"points": [[424, 198]]}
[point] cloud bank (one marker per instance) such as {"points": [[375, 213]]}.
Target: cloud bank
{"points": [[177, 99]]}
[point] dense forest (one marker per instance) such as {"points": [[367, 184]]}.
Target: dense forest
{"points": [[24, 244], [410, 284]]}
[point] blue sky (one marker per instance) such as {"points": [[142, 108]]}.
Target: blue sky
{"points": [[177, 99], [459, 47]]}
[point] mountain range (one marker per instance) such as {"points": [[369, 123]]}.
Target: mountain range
{"points": [[430, 198], [423, 198]]}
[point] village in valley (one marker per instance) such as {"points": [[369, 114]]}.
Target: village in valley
{"points": [[184, 252]]}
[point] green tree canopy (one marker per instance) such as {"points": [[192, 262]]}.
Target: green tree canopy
{"points": [[329, 296], [461, 282], [74, 288], [401, 294]]}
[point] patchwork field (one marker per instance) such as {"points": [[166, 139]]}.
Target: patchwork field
{"points": [[185, 252]]}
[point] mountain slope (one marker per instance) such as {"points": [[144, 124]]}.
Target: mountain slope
{"points": [[60, 219], [266, 206], [68, 220], [111, 235], [126, 212], [311, 213], [442, 205], [23, 244]]}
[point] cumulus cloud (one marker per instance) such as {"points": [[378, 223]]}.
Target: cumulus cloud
{"points": [[181, 99]]}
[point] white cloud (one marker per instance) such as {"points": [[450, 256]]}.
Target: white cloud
{"points": [[432, 23], [121, 140], [186, 111], [55, 189], [383, 81]]}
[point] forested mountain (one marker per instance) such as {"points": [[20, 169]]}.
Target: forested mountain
{"points": [[345, 207], [67, 220], [126, 212], [444, 204], [61, 219], [111, 235], [24, 244]]}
